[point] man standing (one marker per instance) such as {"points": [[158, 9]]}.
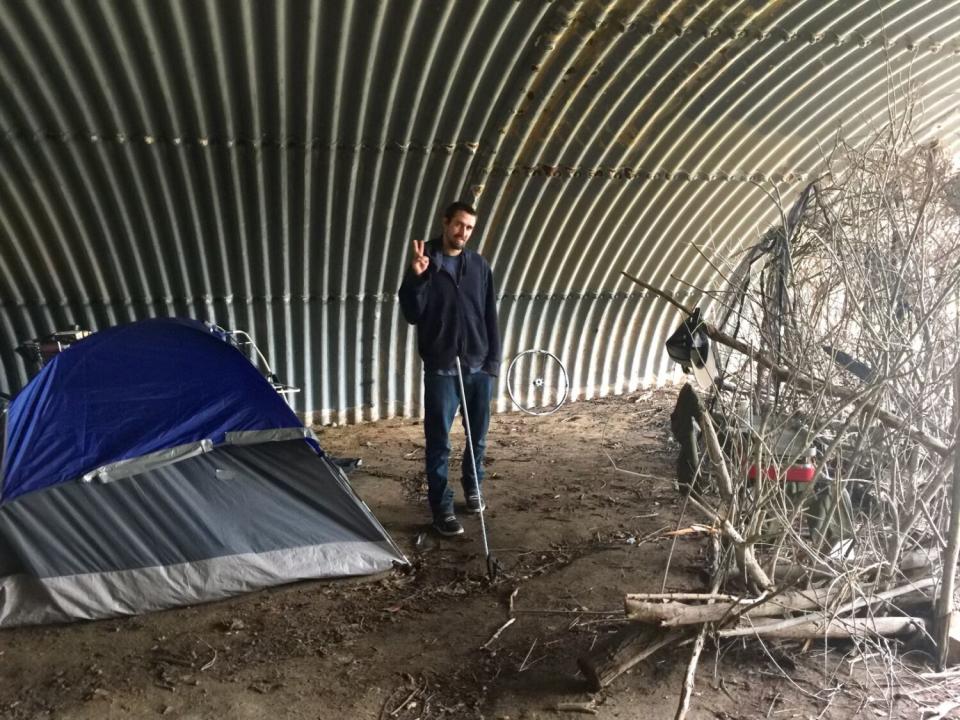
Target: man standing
{"points": [[448, 294]]}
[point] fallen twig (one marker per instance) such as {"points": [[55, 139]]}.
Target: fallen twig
{"points": [[523, 665], [513, 596], [503, 627], [681, 596], [209, 664], [690, 676], [627, 647], [544, 611], [820, 626], [673, 613], [413, 694], [586, 708]]}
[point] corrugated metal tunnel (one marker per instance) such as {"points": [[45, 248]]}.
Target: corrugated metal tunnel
{"points": [[265, 165]]}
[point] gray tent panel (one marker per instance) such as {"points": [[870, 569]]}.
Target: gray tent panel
{"points": [[206, 527], [25, 600]]}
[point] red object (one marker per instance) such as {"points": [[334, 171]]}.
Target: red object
{"points": [[795, 473]]}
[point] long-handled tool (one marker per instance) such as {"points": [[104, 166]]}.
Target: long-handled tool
{"points": [[493, 565]]}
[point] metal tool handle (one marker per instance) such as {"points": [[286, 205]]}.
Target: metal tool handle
{"points": [[473, 459]]}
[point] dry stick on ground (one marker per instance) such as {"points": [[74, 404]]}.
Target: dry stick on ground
{"points": [[680, 596], [823, 627], [815, 626], [586, 708], [831, 620], [497, 634], [622, 651], [675, 613], [691, 674], [413, 694], [523, 665]]}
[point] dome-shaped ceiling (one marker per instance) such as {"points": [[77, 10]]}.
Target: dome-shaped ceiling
{"points": [[265, 165]]}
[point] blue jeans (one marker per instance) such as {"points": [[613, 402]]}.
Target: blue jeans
{"points": [[441, 398]]}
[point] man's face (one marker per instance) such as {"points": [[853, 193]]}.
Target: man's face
{"points": [[457, 231]]}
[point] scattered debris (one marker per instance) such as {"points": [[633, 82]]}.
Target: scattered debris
{"points": [[819, 443], [588, 708], [496, 635], [233, 625]]}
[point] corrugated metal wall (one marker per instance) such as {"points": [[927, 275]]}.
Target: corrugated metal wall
{"points": [[265, 165]]}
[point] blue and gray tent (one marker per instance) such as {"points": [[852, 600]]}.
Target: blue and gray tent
{"points": [[151, 465]]}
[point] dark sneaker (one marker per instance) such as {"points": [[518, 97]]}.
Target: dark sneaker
{"points": [[448, 526], [475, 504]]}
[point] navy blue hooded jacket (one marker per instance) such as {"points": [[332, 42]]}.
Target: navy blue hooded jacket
{"points": [[453, 317]]}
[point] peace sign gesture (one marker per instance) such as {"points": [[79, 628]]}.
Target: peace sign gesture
{"points": [[420, 260]]}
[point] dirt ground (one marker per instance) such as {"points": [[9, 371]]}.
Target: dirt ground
{"points": [[572, 534]]}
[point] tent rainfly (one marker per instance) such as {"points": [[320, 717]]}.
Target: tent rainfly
{"points": [[151, 465]]}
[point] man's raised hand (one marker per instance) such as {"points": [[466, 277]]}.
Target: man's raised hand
{"points": [[420, 260]]}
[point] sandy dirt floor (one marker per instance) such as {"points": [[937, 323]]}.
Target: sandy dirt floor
{"points": [[572, 534]]}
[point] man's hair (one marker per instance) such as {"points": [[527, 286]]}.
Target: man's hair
{"points": [[458, 206]]}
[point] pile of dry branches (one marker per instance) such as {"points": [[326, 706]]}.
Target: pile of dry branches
{"points": [[823, 453]]}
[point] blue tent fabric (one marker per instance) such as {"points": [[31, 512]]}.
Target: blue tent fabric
{"points": [[128, 391]]}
